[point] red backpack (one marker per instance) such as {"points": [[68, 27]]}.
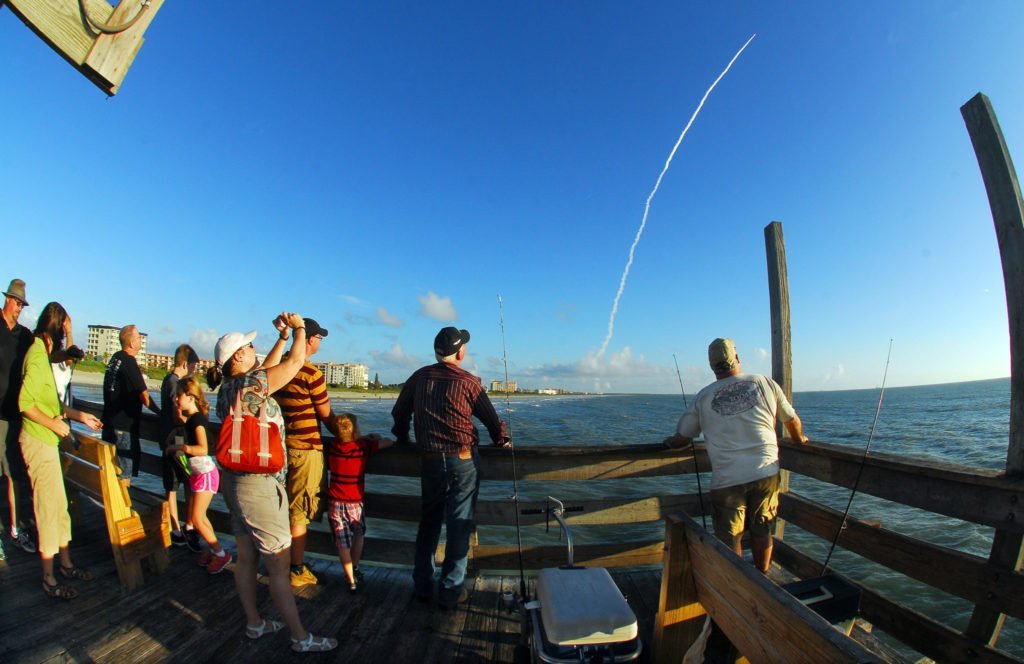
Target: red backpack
{"points": [[247, 444]]}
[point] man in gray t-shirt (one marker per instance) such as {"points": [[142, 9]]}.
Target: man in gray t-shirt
{"points": [[737, 414]]}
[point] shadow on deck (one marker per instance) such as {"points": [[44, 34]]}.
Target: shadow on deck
{"points": [[188, 614]]}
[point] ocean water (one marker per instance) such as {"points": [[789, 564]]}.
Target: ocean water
{"points": [[962, 423]]}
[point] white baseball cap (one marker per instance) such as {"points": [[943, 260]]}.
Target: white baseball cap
{"points": [[229, 344]]}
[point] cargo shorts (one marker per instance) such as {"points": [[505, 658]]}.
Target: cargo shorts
{"points": [[745, 507], [306, 484]]}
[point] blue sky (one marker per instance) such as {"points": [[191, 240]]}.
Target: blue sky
{"points": [[391, 168]]}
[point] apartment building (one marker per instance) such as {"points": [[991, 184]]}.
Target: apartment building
{"points": [[345, 373], [104, 341], [499, 386]]}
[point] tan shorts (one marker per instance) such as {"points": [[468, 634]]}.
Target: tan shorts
{"points": [[746, 507], [258, 509], [306, 483]]}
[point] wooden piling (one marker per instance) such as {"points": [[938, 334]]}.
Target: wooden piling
{"points": [[1004, 198], [782, 354]]}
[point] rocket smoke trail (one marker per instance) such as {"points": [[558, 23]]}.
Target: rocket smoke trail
{"points": [[647, 207]]}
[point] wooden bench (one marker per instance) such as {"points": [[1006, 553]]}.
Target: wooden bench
{"points": [[701, 576], [139, 529]]}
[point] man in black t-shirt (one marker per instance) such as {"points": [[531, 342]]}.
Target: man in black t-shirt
{"points": [[15, 340], [124, 395]]}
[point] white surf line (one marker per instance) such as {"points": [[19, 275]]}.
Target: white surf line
{"points": [[647, 206]]}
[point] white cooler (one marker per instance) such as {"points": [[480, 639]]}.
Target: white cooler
{"points": [[582, 612]]}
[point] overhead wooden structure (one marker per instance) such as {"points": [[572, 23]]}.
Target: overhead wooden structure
{"points": [[98, 39], [1007, 205]]}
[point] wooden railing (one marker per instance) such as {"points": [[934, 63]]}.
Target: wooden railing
{"points": [[970, 494], [702, 577], [975, 495], [569, 466]]}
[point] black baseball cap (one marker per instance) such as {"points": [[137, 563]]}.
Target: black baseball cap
{"points": [[313, 328], [449, 340]]}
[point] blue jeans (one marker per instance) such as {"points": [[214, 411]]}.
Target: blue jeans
{"points": [[448, 488]]}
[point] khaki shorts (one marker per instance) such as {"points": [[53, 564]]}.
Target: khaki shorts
{"points": [[306, 483], [258, 509], [745, 507]]}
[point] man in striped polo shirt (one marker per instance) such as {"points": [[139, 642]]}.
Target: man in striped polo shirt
{"points": [[304, 404], [442, 399]]}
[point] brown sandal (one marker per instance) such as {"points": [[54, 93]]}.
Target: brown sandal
{"points": [[59, 591], [79, 573]]}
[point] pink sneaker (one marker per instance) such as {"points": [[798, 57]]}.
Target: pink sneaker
{"points": [[218, 563], [205, 558]]}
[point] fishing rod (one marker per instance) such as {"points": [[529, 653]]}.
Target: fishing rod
{"points": [[863, 462], [693, 449], [515, 477]]}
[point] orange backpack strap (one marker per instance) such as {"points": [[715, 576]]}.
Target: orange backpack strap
{"points": [[264, 453], [236, 428]]}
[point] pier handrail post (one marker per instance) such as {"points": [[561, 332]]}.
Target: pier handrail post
{"points": [[1004, 198], [782, 354], [680, 616]]}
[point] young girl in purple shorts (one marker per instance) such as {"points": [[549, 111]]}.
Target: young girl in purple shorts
{"points": [[204, 477]]}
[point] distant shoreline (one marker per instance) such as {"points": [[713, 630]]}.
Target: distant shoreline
{"points": [[95, 379]]}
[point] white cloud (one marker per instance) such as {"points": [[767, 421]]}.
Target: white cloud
{"points": [[836, 373], [598, 367], [203, 341], [395, 358], [439, 308], [29, 316], [351, 299], [762, 353], [388, 318], [358, 319]]}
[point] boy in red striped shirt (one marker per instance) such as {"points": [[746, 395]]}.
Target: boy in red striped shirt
{"points": [[346, 457]]}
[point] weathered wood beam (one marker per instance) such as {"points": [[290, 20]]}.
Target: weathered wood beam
{"points": [[596, 512], [605, 462], [973, 494], [102, 58], [112, 55], [59, 23], [782, 351], [927, 636], [601, 462], [1004, 198], [778, 295], [680, 618], [763, 621], [954, 572], [493, 557]]}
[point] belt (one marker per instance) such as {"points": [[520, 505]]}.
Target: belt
{"points": [[465, 453]]}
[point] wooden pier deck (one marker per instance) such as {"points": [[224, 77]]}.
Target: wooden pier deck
{"points": [[188, 615]]}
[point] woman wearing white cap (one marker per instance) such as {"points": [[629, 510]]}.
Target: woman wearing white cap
{"points": [[258, 503]]}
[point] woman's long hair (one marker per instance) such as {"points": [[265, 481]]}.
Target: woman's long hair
{"points": [[51, 324]]}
